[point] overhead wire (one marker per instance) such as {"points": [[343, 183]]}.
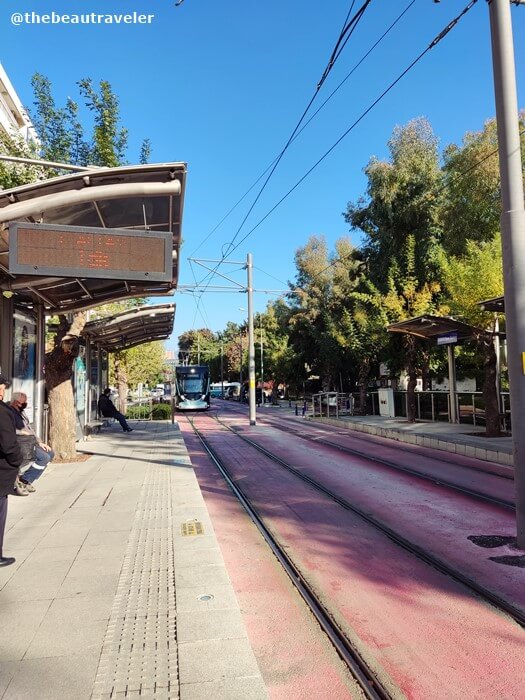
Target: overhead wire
{"points": [[348, 28], [385, 92], [312, 117]]}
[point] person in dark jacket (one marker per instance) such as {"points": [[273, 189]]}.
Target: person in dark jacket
{"points": [[106, 408], [10, 460]]}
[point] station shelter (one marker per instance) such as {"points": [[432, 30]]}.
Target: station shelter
{"points": [[73, 243], [443, 330], [143, 324]]}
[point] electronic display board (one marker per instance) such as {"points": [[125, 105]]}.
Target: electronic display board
{"points": [[77, 251]]}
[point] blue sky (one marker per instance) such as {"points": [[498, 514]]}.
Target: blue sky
{"points": [[221, 85]]}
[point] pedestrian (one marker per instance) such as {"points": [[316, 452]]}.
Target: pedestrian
{"points": [[106, 408], [43, 452], [10, 460]]}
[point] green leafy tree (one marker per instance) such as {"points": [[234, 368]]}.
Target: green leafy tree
{"points": [[400, 200], [312, 325], [470, 205]]}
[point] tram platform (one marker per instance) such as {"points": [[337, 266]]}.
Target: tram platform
{"points": [[119, 587]]}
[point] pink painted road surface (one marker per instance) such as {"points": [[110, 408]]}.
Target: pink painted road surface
{"points": [[295, 659], [418, 628]]}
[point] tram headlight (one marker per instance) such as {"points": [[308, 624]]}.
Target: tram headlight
{"points": [[183, 398]]}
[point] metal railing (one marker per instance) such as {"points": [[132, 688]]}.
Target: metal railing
{"points": [[140, 409], [332, 403], [430, 406], [435, 406]]}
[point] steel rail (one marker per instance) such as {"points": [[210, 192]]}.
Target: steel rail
{"points": [[393, 465], [500, 603], [370, 684]]}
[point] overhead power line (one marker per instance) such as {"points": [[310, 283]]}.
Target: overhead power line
{"points": [[348, 28], [311, 118], [385, 92]]}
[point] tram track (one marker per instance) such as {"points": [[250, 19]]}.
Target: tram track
{"points": [[372, 686], [430, 559], [493, 500]]}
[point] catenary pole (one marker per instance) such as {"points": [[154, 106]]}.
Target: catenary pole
{"points": [[251, 342], [513, 236]]}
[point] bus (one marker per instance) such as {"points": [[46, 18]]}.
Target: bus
{"points": [[192, 388], [231, 390]]}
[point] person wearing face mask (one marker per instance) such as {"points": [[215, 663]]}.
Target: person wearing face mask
{"points": [[10, 459], [43, 454]]}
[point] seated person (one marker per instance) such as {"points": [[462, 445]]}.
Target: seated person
{"points": [[43, 453], [106, 408]]}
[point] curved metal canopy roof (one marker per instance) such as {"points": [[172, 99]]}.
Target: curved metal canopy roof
{"points": [[143, 197], [429, 327], [122, 331]]}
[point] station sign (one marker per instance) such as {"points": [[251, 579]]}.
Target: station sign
{"points": [[447, 338], [100, 253]]}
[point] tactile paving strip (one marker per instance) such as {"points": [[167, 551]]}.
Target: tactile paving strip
{"points": [[139, 654]]}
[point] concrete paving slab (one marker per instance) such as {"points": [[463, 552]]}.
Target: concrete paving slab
{"points": [[65, 535], [82, 622], [22, 621], [203, 576], [89, 585], [248, 688], [210, 624], [190, 599], [211, 660], [33, 583], [61, 678], [195, 557]]}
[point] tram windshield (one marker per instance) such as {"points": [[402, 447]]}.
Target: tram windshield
{"points": [[193, 384]]}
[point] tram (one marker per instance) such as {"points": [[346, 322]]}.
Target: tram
{"points": [[192, 388]]}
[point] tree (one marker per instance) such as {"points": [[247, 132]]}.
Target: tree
{"points": [[62, 138], [470, 205], [468, 279], [197, 346], [312, 329], [406, 298], [142, 363], [400, 200], [280, 360]]}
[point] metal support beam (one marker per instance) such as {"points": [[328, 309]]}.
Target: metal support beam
{"points": [[513, 236], [39, 371], [251, 343], [452, 383]]}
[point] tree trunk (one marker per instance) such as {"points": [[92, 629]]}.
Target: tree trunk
{"points": [[364, 373], [121, 377], [412, 381], [490, 392], [58, 373]]}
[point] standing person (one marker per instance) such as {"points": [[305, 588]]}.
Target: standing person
{"points": [[10, 460], [43, 453], [106, 408]]}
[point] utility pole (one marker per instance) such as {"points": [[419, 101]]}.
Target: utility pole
{"points": [[512, 234], [198, 348], [222, 368], [262, 365], [251, 343]]}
